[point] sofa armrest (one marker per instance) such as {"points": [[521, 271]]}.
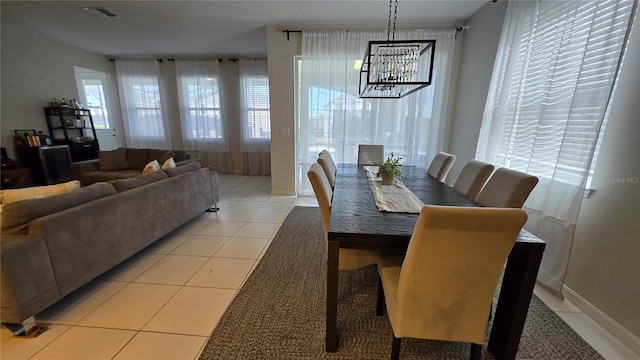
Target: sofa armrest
{"points": [[185, 162], [81, 167], [27, 281]]}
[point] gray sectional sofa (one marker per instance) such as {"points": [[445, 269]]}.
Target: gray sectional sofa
{"points": [[123, 163], [53, 245]]}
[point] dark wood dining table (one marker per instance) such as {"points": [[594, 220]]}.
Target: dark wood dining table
{"points": [[356, 223]]}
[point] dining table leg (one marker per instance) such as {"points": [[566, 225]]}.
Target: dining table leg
{"points": [[333, 253], [513, 303]]}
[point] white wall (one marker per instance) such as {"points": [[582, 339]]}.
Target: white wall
{"points": [[35, 70], [604, 267], [479, 46], [280, 54]]}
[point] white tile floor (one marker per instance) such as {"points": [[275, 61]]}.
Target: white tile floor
{"points": [[164, 302]]}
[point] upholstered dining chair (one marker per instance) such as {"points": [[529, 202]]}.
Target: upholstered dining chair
{"points": [[329, 166], [507, 188], [370, 154], [349, 259], [444, 287], [440, 165], [472, 177]]}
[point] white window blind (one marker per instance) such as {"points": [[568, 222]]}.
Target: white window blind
{"points": [[566, 56], [551, 85], [256, 94], [141, 102], [202, 107], [254, 87]]}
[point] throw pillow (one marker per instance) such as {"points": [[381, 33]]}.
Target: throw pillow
{"points": [[169, 164], [13, 195], [113, 160], [151, 167]]}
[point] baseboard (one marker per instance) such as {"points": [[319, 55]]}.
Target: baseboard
{"points": [[282, 192], [619, 332]]}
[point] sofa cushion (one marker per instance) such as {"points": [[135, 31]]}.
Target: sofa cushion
{"points": [[113, 160], [127, 184], [12, 195], [16, 215], [98, 176], [137, 158], [182, 169]]}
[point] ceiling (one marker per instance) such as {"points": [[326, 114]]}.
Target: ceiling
{"points": [[152, 28]]}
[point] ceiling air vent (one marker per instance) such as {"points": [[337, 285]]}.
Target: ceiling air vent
{"points": [[102, 12]]}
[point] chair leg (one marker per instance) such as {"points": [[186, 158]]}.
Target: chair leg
{"points": [[395, 348], [476, 351], [380, 305]]}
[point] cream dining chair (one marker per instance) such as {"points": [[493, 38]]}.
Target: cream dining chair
{"points": [[507, 188], [440, 165], [349, 259], [370, 154], [472, 177], [329, 166], [444, 288]]}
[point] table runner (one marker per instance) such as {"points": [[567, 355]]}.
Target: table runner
{"points": [[392, 198]]}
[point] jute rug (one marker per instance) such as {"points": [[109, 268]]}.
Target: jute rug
{"points": [[279, 312]]}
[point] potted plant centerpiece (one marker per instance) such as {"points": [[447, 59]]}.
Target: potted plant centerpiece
{"points": [[389, 169]]}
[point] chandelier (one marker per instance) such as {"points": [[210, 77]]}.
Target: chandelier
{"points": [[396, 68]]}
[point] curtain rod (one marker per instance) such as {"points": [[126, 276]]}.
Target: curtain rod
{"points": [[287, 31], [290, 31], [208, 58]]}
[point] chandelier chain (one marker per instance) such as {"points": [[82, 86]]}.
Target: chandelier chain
{"points": [[395, 17], [390, 35], [389, 22]]}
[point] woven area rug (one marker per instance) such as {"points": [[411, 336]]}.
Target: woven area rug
{"points": [[279, 312]]}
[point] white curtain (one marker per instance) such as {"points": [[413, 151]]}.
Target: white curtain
{"points": [[142, 105], [551, 84], [201, 113], [332, 116], [256, 118]]}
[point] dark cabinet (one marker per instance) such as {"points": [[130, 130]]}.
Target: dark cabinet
{"points": [[48, 164], [74, 128]]}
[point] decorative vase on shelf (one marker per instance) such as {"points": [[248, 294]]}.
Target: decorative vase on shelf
{"points": [[389, 169]]}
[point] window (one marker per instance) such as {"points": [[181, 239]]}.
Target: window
{"points": [[254, 88], [256, 94], [203, 107], [141, 96], [92, 92], [552, 81], [330, 114], [550, 88], [145, 105], [200, 109]]}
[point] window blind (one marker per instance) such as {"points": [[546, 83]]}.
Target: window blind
{"points": [[141, 103], [566, 57], [199, 99], [255, 91], [551, 85]]}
